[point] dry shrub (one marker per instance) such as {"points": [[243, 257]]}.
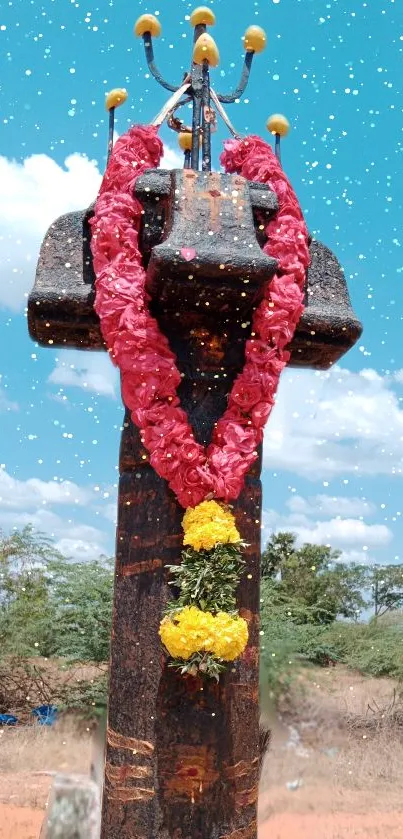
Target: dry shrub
{"points": [[347, 751], [37, 748], [26, 683], [385, 715], [31, 755], [343, 699]]}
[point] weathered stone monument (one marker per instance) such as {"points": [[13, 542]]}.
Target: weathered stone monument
{"points": [[73, 809], [182, 756]]}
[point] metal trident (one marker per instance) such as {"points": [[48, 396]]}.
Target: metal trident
{"points": [[196, 88]]}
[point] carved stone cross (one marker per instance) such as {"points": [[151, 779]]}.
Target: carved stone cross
{"points": [[183, 755], [182, 758]]}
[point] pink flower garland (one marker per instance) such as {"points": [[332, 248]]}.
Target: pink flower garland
{"points": [[149, 375]]}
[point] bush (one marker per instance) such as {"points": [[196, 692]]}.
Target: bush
{"points": [[25, 684], [81, 597], [371, 649], [51, 606], [316, 650], [304, 592], [278, 659], [377, 651], [88, 698]]}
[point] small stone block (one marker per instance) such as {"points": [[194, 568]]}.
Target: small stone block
{"points": [[74, 809]]}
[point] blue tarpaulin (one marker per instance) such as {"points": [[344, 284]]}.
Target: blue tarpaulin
{"points": [[8, 719], [45, 714]]}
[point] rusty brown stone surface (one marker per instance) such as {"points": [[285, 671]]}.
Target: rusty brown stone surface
{"points": [[182, 756], [196, 742], [199, 730], [248, 832], [60, 307]]}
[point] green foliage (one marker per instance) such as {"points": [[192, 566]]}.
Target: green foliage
{"points": [[81, 598], [87, 699], [278, 605], [208, 579], [312, 577], [24, 550], [386, 588], [278, 551], [203, 664], [371, 648], [304, 594], [278, 659], [51, 606], [26, 613]]}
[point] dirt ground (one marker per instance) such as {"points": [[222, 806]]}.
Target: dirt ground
{"points": [[29, 758], [334, 769], [25, 823], [335, 826], [19, 822], [335, 765]]}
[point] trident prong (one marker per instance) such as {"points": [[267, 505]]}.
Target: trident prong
{"points": [[229, 98], [114, 98], [279, 126], [147, 26], [254, 41], [149, 51], [205, 56]]}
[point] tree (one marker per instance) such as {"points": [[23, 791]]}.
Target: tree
{"points": [[311, 578], [81, 594], [26, 613], [347, 585], [386, 584], [25, 549], [279, 549], [50, 605]]}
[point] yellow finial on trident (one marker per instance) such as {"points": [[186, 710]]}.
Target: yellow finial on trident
{"points": [[114, 98]]}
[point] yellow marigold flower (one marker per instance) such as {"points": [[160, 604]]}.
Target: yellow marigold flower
{"points": [[209, 524], [231, 636], [206, 536], [191, 631], [185, 632], [206, 511]]}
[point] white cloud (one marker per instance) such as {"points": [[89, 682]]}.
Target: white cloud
{"points": [[327, 505], [5, 402], [32, 493], [333, 423], [90, 371], [339, 532], [352, 536], [81, 549], [32, 501], [358, 557], [109, 511], [33, 194], [172, 159], [41, 519]]}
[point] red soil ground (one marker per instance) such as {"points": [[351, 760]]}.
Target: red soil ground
{"points": [[352, 791], [25, 823]]}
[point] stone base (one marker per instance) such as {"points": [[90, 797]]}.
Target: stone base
{"points": [[74, 809]]}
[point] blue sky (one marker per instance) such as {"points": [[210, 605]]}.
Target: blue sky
{"points": [[334, 445]]}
